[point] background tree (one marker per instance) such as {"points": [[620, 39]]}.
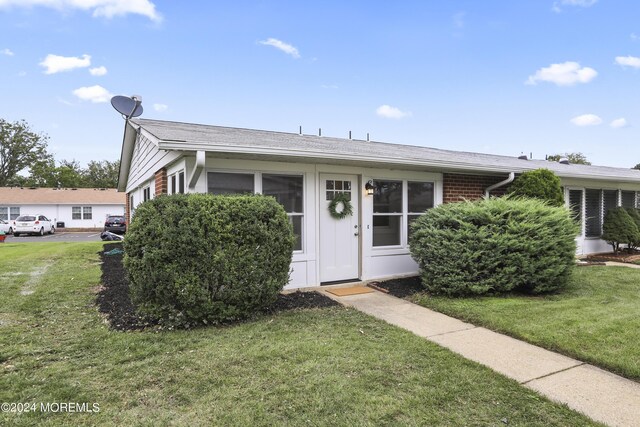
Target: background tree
{"points": [[636, 166], [45, 173], [540, 184], [20, 148], [574, 158], [102, 174]]}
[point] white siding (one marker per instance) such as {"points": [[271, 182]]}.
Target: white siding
{"points": [[62, 213], [147, 159]]}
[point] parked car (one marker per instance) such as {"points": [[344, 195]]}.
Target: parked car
{"points": [[115, 224], [6, 227], [33, 224]]}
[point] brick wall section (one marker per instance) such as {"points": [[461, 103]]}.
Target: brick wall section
{"points": [[161, 182], [127, 209], [458, 187]]}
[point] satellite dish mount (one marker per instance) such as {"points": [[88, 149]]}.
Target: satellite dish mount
{"points": [[127, 106]]}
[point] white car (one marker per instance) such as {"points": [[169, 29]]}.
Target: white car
{"points": [[6, 227], [32, 224]]}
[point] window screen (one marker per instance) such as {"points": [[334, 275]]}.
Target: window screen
{"points": [[230, 183], [593, 213]]}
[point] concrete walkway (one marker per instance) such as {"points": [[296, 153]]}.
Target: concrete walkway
{"points": [[599, 394]]}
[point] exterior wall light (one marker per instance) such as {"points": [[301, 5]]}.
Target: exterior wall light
{"points": [[369, 188]]}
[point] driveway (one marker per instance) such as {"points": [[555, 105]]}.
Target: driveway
{"points": [[59, 236]]}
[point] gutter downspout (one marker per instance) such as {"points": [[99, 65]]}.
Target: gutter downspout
{"points": [[509, 180]]}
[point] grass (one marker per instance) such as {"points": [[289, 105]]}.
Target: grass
{"points": [[330, 366], [596, 319]]}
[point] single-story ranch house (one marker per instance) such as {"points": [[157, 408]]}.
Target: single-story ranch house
{"points": [[389, 185], [76, 207]]}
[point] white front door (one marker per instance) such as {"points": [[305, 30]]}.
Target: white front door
{"points": [[339, 238]]}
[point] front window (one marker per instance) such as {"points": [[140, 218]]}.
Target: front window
{"points": [[288, 191], [86, 212], [387, 213], [230, 183], [420, 196], [76, 212]]}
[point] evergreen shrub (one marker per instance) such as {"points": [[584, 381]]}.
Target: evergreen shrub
{"points": [[540, 184], [619, 228], [494, 246], [199, 258]]}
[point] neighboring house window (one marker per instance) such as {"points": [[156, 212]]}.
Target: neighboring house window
{"points": [[76, 212], [420, 196], [173, 188], [628, 199], [288, 191], [181, 183], [81, 212], [387, 213], [396, 204], [230, 183], [9, 213]]}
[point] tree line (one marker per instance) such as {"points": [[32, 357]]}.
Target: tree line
{"points": [[23, 150]]}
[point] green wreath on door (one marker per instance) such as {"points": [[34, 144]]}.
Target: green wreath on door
{"points": [[347, 208]]}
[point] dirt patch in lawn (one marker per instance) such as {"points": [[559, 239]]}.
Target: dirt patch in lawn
{"points": [[400, 288], [113, 297]]}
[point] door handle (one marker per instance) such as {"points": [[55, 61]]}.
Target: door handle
{"points": [[356, 234]]}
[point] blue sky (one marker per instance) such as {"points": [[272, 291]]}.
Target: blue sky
{"points": [[502, 77]]}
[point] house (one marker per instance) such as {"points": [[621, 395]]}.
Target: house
{"points": [[76, 207], [389, 185]]}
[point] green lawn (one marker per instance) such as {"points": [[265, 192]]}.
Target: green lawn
{"points": [[597, 319], [314, 367]]}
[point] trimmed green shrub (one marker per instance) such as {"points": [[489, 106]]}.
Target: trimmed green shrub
{"points": [[493, 246], [198, 258], [540, 184], [619, 228], [634, 213]]}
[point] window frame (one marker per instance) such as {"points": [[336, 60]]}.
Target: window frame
{"points": [[404, 214]]}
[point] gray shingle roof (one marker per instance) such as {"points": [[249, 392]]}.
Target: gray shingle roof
{"points": [[187, 136]]}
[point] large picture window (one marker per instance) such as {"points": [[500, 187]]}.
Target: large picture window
{"points": [[420, 197], [230, 183], [288, 191]]}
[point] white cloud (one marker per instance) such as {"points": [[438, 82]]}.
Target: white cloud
{"points": [[7, 52], [98, 71], [279, 44], [160, 107], [581, 3], [628, 61], [94, 94], [586, 120], [104, 8], [634, 37], [389, 112], [619, 123], [56, 64], [565, 74]]}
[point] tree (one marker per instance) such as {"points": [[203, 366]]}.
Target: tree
{"points": [[636, 166], [20, 148], [102, 174], [574, 158], [540, 184], [46, 174]]}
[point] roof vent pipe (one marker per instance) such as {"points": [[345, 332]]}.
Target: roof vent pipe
{"points": [[300, 131], [367, 136], [564, 161], [349, 134], [509, 180], [319, 131]]}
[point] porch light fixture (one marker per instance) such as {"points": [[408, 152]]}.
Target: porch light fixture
{"points": [[369, 188]]}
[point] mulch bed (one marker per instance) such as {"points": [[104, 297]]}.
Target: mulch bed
{"points": [[617, 257], [400, 288], [113, 299]]}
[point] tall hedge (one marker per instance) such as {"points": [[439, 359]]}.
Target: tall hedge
{"points": [[495, 245], [540, 184], [198, 258]]}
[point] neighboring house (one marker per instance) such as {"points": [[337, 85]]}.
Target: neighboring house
{"points": [[389, 186], [76, 207]]}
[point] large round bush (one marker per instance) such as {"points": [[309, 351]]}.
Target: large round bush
{"points": [[540, 184], [493, 246], [199, 258]]}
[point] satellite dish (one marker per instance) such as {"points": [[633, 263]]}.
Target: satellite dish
{"points": [[127, 106]]}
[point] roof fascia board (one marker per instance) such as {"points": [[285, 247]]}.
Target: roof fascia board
{"points": [[126, 155]]}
